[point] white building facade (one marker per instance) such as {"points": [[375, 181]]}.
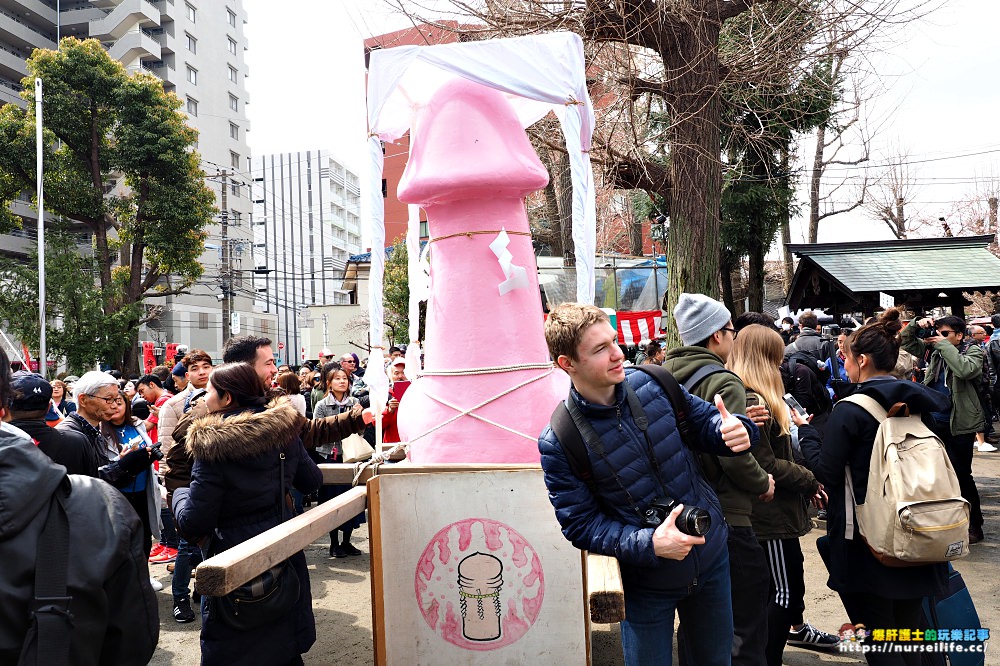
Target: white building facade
{"points": [[306, 226], [197, 47]]}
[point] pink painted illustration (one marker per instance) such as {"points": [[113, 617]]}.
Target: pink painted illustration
{"points": [[479, 584]]}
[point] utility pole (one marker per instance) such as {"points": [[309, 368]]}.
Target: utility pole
{"points": [[226, 272]]}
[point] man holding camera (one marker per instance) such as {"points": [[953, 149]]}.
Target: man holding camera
{"points": [[639, 467], [955, 368]]}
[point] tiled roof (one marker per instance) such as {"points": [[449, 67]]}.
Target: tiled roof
{"points": [[906, 265]]}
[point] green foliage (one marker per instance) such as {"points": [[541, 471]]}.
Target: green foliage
{"points": [[760, 121], [396, 296], [86, 336], [148, 236]]}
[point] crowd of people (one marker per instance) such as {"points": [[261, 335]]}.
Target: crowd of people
{"points": [[187, 462], [739, 587]]}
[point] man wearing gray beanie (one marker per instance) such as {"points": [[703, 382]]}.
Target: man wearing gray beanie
{"points": [[706, 329]]}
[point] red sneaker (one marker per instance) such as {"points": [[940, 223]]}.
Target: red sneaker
{"points": [[166, 555], [156, 550]]}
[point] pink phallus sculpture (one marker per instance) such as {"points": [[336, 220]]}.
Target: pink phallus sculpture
{"points": [[488, 387]]}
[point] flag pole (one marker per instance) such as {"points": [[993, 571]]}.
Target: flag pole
{"points": [[42, 367]]}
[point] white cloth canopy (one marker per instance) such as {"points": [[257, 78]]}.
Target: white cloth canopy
{"points": [[538, 74]]}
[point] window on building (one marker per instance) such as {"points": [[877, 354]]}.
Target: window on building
{"points": [[237, 216], [233, 74], [235, 189], [232, 45], [234, 160], [265, 326], [192, 13], [232, 17], [192, 107], [385, 193], [202, 320], [234, 103], [234, 131], [192, 75], [192, 43], [424, 233]]}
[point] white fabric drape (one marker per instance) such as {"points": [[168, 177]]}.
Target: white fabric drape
{"points": [[538, 74]]}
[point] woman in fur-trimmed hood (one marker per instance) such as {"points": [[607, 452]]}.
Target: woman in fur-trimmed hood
{"points": [[235, 495]]}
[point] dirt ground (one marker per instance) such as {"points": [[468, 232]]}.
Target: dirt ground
{"points": [[342, 598]]}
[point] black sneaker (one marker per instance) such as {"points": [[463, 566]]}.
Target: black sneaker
{"points": [[811, 637], [182, 611], [351, 550]]}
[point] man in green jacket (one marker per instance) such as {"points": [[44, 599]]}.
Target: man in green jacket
{"points": [[706, 329], [955, 369]]}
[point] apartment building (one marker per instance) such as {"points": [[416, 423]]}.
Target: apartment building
{"points": [[197, 48], [306, 226]]}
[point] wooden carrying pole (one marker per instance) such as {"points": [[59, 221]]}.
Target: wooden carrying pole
{"points": [[223, 573]]}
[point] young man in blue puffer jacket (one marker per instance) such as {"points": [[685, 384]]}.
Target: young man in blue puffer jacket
{"points": [[663, 569]]}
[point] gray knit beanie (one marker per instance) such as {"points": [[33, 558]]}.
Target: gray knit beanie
{"points": [[698, 316]]}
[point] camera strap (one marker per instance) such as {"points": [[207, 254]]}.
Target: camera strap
{"points": [[593, 442], [641, 422]]}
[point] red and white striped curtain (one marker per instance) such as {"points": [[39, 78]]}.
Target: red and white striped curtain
{"points": [[636, 326]]}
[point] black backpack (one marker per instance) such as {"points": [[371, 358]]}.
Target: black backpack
{"points": [[571, 432], [48, 637]]}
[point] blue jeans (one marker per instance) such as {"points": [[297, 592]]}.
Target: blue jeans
{"points": [[706, 613], [188, 557], [168, 534]]}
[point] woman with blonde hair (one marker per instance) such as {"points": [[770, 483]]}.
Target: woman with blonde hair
{"points": [[756, 356]]}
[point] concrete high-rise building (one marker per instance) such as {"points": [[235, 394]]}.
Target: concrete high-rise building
{"points": [[197, 48], [306, 226]]}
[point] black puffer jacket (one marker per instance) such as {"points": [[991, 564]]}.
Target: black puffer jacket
{"points": [[235, 494], [114, 609], [850, 435]]}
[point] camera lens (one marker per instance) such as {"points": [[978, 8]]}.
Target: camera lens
{"points": [[694, 521]]}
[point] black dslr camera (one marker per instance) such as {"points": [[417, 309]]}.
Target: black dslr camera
{"points": [[155, 453], [692, 520]]}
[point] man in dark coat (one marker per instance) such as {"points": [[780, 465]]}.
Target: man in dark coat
{"points": [[28, 407], [114, 613], [663, 569]]}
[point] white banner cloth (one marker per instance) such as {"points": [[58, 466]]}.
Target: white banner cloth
{"points": [[538, 74]]}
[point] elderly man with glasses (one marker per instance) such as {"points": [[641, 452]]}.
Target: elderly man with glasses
{"points": [[96, 395]]}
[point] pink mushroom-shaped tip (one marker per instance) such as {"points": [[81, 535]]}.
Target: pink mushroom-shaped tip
{"points": [[468, 143]]}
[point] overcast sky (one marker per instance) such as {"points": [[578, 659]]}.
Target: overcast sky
{"points": [[306, 90]]}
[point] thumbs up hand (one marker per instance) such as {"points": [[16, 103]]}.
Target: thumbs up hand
{"points": [[734, 434]]}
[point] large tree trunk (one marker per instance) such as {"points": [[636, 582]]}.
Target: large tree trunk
{"points": [[692, 71], [635, 236], [814, 181], [564, 188], [726, 262], [551, 203], [755, 288]]}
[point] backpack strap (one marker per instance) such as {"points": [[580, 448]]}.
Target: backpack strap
{"points": [[703, 372], [571, 441], [877, 411], [50, 611], [869, 404]]}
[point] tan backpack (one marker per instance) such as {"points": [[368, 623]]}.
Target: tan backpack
{"points": [[913, 511]]}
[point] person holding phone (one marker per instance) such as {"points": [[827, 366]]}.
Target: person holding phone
{"points": [[756, 355], [397, 375]]}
